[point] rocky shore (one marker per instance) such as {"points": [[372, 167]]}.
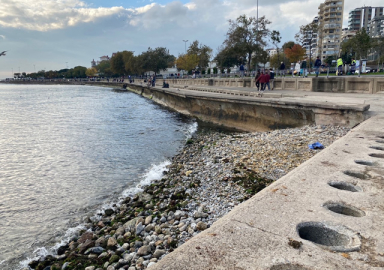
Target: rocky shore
{"points": [[211, 175]]}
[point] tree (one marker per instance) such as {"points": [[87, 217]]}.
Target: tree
{"points": [[276, 39], [91, 72], [203, 53], [157, 59], [260, 56], [117, 63], [187, 62], [295, 54], [228, 57], [305, 36], [275, 60], [246, 35], [378, 46], [288, 45], [104, 68], [360, 44]]}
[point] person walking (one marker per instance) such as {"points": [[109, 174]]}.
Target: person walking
{"points": [[297, 68], [241, 70], [353, 66], [271, 79], [317, 66], [257, 82], [282, 69], [339, 66], [304, 68], [267, 79], [263, 81]]}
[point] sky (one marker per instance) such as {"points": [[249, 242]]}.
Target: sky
{"points": [[56, 34]]}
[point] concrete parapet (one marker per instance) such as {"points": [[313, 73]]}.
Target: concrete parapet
{"points": [[364, 84], [378, 85]]}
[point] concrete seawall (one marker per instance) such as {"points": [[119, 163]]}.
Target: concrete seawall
{"points": [[245, 111]]}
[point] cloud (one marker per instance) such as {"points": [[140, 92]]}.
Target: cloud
{"points": [[43, 15], [48, 33]]}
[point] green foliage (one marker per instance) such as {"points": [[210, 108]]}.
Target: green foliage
{"points": [[203, 53], [247, 35], [157, 59]]}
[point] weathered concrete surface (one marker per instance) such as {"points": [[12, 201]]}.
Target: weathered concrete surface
{"points": [[242, 109], [262, 233], [344, 84]]}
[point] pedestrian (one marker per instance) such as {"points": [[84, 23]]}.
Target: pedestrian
{"points": [[304, 68], [282, 69], [317, 66], [339, 66], [271, 79], [353, 66], [297, 68], [258, 74], [241, 70], [262, 81], [267, 79]]}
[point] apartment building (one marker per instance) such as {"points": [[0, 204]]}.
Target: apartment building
{"points": [[310, 42], [376, 27], [330, 28], [361, 17]]}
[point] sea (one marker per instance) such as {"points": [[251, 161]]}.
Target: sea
{"points": [[67, 153]]}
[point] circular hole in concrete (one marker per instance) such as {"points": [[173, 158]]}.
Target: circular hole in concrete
{"points": [[356, 174], [364, 162], [320, 234], [345, 186], [377, 148], [344, 209], [377, 155], [288, 266]]}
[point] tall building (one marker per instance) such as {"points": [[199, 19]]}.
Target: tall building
{"points": [[361, 17], [330, 28], [310, 42], [376, 27]]}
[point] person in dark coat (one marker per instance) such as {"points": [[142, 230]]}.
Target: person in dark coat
{"points": [[282, 69]]}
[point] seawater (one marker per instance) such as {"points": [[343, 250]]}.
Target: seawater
{"points": [[67, 152]]}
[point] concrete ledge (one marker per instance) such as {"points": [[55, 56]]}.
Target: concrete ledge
{"points": [[245, 111], [288, 226], [352, 84]]}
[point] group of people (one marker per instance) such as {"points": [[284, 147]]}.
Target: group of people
{"points": [[264, 79]]}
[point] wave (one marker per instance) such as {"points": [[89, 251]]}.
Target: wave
{"points": [[155, 172]]}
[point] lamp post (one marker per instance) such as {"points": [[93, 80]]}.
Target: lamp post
{"points": [[257, 32], [185, 41]]}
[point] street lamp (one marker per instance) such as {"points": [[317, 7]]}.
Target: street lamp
{"points": [[257, 32], [185, 45]]}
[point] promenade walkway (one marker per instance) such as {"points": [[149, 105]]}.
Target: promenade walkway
{"points": [[326, 214]]}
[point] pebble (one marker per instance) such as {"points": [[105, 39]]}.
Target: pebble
{"points": [[204, 182]]}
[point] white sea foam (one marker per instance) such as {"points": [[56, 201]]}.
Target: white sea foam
{"points": [[192, 128], [155, 172]]}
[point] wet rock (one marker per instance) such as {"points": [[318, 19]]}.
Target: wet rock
{"points": [[201, 226]]}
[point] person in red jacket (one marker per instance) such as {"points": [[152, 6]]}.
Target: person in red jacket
{"points": [[267, 79]]}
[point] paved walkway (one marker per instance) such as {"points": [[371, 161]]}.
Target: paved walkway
{"points": [[326, 214]]}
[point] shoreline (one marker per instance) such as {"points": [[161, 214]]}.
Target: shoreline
{"points": [[213, 173]]}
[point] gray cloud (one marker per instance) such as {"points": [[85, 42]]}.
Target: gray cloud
{"points": [[49, 33]]}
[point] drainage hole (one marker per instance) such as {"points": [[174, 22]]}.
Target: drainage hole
{"points": [[318, 233], [343, 209], [377, 148], [377, 155], [366, 163], [345, 186], [356, 174]]}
